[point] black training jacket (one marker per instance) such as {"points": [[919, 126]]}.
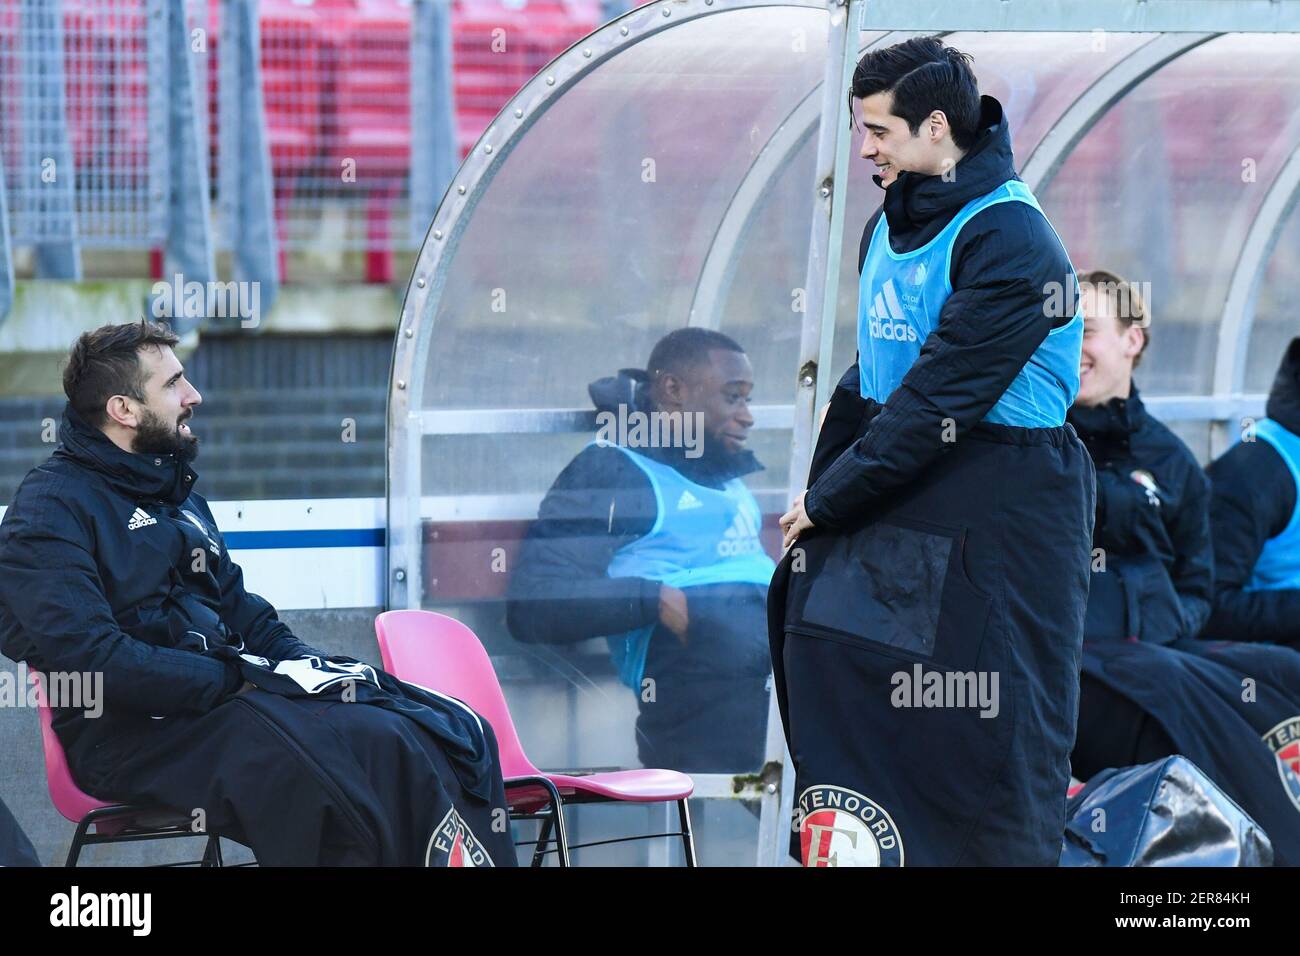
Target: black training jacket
{"points": [[1253, 499], [1002, 264], [110, 563], [1158, 577]]}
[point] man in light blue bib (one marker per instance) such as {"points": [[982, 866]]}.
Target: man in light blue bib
{"points": [[926, 623], [653, 544]]}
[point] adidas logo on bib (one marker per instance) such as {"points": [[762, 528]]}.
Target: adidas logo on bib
{"points": [[885, 320], [140, 519], [740, 538], [688, 501]]}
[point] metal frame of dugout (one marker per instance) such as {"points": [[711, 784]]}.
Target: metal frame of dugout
{"points": [[1178, 25]]}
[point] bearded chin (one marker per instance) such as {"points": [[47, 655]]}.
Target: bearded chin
{"points": [[155, 437], [189, 449]]}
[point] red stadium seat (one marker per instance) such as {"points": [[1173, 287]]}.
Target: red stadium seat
{"points": [[498, 49]]}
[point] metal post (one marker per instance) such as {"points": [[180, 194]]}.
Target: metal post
{"points": [[48, 170], [434, 154], [188, 249], [811, 386], [244, 153], [6, 254]]}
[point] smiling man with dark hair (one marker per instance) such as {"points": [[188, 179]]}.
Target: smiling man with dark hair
{"points": [[949, 508]]}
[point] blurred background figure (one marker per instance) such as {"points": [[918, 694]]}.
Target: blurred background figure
{"points": [[1255, 514], [657, 549]]}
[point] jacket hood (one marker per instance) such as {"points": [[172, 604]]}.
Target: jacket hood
{"points": [[625, 388], [914, 199], [158, 477], [1284, 400], [629, 389]]}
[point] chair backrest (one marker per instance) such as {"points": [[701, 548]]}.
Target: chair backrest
{"points": [[439, 652], [67, 797]]}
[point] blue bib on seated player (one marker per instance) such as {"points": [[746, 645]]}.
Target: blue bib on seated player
{"points": [[900, 297], [701, 536], [1278, 566]]}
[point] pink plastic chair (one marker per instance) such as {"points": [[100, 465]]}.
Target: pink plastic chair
{"points": [[113, 822], [441, 653]]}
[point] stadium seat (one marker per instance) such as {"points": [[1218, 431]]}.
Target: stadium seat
{"points": [[491, 66], [438, 652], [113, 822]]}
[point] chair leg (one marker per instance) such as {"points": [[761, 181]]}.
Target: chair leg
{"points": [[78, 840], [557, 814], [688, 839], [212, 852], [543, 837]]}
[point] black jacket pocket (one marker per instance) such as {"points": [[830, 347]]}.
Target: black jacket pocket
{"points": [[899, 587]]}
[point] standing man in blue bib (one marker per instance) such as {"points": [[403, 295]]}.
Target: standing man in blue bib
{"points": [[926, 623]]}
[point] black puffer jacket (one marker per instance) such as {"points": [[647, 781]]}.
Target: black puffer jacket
{"points": [[110, 564], [1003, 260], [1158, 579], [1254, 498]]}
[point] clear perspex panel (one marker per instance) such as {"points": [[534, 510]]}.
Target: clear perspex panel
{"points": [[666, 188], [669, 181]]}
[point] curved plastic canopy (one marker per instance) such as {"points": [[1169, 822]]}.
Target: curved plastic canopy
{"points": [[673, 169]]}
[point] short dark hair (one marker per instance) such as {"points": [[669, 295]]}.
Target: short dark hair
{"points": [[687, 348], [924, 76], [106, 362]]}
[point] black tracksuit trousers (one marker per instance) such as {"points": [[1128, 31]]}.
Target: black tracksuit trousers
{"points": [[978, 572]]}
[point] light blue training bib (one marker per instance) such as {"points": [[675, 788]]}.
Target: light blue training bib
{"points": [[1278, 566], [900, 297], [701, 536]]}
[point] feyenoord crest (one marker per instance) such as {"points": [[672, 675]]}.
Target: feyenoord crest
{"points": [[1284, 741], [840, 827], [454, 844]]}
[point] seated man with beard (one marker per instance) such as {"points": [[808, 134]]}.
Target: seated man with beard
{"points": [[657, 550], [1149, 687], [111, 564]]}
